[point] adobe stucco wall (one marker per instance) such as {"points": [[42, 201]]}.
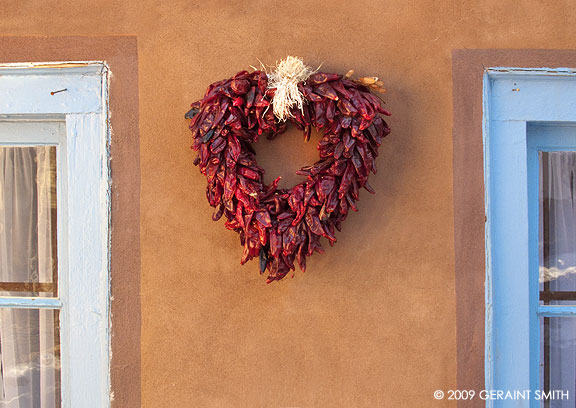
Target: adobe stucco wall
{"points": [[373, 322]]}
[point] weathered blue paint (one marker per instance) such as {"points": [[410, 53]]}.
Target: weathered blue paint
{"points": [[557, 311], [534, 262], [524, 111], [489, 368], [508, 230]]}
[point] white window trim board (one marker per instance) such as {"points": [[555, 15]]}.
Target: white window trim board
{"points": [[83, 212]]}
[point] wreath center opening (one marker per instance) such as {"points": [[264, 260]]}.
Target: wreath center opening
{"points": [[285, 154]]}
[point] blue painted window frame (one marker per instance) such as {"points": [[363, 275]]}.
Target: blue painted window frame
{"points": [[515, 99]]}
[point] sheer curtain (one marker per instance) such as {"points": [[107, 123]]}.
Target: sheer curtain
{"points": [[558, 268], [29, 345]]}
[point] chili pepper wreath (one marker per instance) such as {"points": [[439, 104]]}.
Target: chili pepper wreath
{"points": [[284, 226]]}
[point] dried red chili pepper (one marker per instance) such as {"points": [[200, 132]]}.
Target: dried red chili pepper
{"points": [[309, 94], [324, 187], [263, 218], [218, 145], [330, 111], [218, 213], [249, 173], [327, 91], [240, 86], [263, 259], [289, 240], [275, 243], [301, 256], [322, 77], [339, 87], [346, 107]]}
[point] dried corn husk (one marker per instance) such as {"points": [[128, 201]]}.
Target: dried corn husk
{"points": [[285, 78]]}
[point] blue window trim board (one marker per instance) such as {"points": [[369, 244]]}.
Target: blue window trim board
{"points": [[516, 101]]}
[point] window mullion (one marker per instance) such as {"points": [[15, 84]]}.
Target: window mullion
{"points": [[30, 302], [556, 311]]}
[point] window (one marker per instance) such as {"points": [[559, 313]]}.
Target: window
{"points": [[54, 217], [530, 169]]}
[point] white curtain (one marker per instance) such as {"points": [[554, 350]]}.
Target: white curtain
{"points": [[29, 347], [558, 265]]}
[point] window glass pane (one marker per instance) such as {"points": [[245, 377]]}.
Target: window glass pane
{"points": [[557, 230], [28, 265], [29, 358], [558, 361]]}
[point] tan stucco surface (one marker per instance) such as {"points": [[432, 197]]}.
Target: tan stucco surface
{"points": [[372, 323]]}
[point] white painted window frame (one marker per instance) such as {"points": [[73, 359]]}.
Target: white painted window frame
{"points": [[28, 93]]}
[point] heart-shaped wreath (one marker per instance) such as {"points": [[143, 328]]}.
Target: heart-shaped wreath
{"points": [[281, 226]]}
